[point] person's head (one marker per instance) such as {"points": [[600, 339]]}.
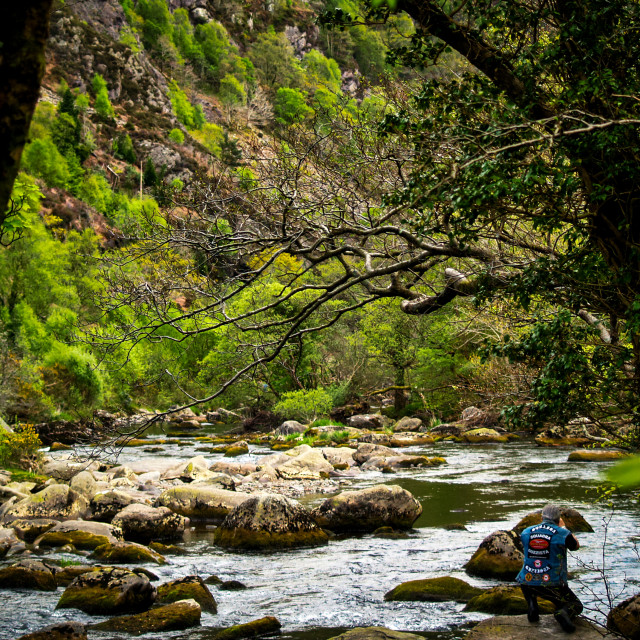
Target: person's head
{"points": [[552, 512]]}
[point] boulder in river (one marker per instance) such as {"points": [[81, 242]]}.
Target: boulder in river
{"points": [[597, 455], [288, 427], [187, 588], [254, 629], [201, 502], [269, 522], [143, 523], [104, 506], [169, 617], [499, 556], [573, 520], [368, 450], [367, 421], [519, 628], [126, 553], [368, 509], [441, 589], [28, 574], [505, 600], [624, 618], [304, 463], [484, 435], [375, 633], [407, 424], [57, 501], [81, 534], [67, 630], [84, 483], [109, 591], [29, 529]]}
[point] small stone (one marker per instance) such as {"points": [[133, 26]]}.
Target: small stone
{"points": [[261, 627]]}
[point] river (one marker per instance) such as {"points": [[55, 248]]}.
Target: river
{"points": [[316, 593]]}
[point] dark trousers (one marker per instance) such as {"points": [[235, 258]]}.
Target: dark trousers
{"points": [[560, 596]]}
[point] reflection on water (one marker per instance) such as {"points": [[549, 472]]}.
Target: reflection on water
{"points": [[316, 593]]}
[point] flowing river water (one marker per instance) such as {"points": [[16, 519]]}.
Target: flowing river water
{"points": [[316, 593]]}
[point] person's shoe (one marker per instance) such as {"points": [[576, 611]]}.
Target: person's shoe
{"points": [[565, 621], [533, 614]]}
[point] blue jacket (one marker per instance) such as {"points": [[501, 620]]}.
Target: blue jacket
{"points": [[545, 555]]}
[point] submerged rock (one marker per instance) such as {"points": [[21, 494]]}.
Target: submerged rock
{"points": [[59, 631], [28, 574], [81, 534], [126, 553], [625, 618], [201, 501], [254, 629], [375, 633], [519, 628], [143, 523], [368, 509], [108, 591], [169, 617], [269, 522], [573, 520], [188, 588], [506, 600], [434, 590], [56, 501], [499, 556]]}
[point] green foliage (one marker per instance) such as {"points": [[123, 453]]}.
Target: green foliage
{"points": [[128, 39], [190, 117], [275, 64], [65, 133], [42, 121], [232, 92], [211, 136], [42, 159], [290, 106], [321, 71], [157, 21], [214, 44], [625, 474], [98, 84], [21, 448], [176, 135], [150, 175], [305, 405], [103, 105], [24, 204], [123, 148]]}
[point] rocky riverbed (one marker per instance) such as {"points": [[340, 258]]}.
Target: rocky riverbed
{"points": [[172, 501]]}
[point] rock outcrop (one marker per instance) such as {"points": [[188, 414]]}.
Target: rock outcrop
{"points": [[59, 631], [625, 618], [28, 574], [254, 629]]}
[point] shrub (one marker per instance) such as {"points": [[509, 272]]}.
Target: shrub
{"points": [[232, 91], [42, 159], [290, 106], [123, 148], [103, 105], [182, 107], [210, 136], [20, 449], [304, 405], [175, 135]]}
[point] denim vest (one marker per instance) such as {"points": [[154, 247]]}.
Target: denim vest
{"points": [[545, 555]]}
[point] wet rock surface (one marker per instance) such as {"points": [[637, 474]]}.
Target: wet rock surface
{"points": [[58, 502], [143, 523], [519, 628], [126, 553], [433, 590], [262, 627], [625, 617], [188, 588], [498, 556], [59, 631], [201, 502], [28, 574], [375, 633]]}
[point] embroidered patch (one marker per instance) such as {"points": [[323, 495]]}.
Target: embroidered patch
{"points": [[546, 577], [528, 577]]}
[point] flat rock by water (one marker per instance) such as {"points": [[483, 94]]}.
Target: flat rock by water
{"points": [[519, 628], [375, 633]]}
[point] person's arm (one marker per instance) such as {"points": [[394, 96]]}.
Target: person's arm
{"points": [[571, 542]]}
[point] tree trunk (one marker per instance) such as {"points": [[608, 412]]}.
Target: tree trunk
{"points": [[23, 34], [399, 397]]}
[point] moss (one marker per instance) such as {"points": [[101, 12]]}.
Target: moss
{"points": [[596, 455], [498, 556], [263, 540], [165, 549], [126, 553], [170, 617], [27, 577], [505, 600], [484, 435], [253, 629], [236, 451], [433, 590], [79, 539], [189, 588]]}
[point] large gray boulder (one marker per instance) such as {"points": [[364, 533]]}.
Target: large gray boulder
{"points": [[290, 426], [105, 506], [109, 591], [269, 522], [519, 628], [304, 463], [143, 523], [28, 574], [80, 533], [84, 483], [57, 501], [201, 502], [499, 556], [367, 450], [625, 618], [368, 509], [366, 421]]}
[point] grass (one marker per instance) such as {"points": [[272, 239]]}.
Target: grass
{"points": [[20, 475], [327, 422]]}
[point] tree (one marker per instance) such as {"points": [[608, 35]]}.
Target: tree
{"points": [[514, 180], [290, 106], [23, 36]]}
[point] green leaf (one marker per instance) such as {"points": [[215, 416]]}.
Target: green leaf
{"points": [[626, 474]]}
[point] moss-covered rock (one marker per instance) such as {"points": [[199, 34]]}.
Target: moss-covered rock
{"points": [[29, 530], [368, 509], [59, 446], [484, 435], [237, 449], [505, 600], [269, 522], [108, 591], [66, 575], [81, 534], [573, 520], [169, 617], [254, 629], [56, 501], [28, 574], [143, 523], [375, 633], [105, 506], [126, 553], [625, 618], [596, 455], [232, 585], [167, 549], [59, 631], [201, 502], [499, 556], [84, 483], [188, 588], [434, 590]]}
